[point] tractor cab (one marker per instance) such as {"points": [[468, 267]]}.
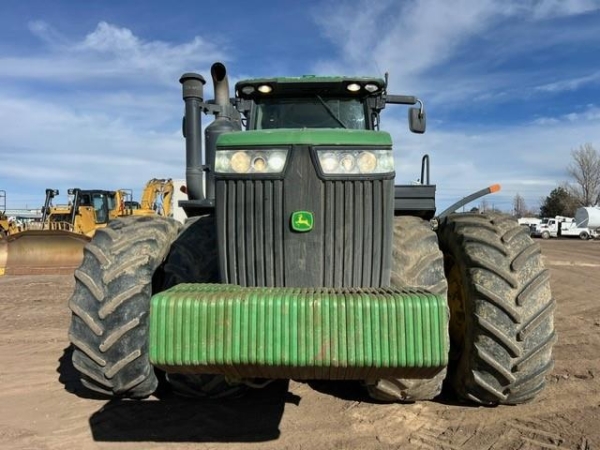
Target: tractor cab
{"points": [[310, 102]]}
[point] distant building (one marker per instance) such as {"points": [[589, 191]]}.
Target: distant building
{"points": [[24, 213]]}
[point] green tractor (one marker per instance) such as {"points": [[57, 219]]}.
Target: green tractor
{"points": [[302, 260]]}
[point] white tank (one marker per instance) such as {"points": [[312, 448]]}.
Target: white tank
{"points": [[588, 217]]}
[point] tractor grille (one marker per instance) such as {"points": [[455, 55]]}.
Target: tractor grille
{"points": [[350, 245], [251, 228]]}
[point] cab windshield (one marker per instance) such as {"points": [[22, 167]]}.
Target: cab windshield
{"points": [[99, 202], [310, 112]]}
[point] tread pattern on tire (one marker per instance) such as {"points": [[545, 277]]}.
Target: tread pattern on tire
{"points": [[506, 349], [417, 262], [111, 302]]}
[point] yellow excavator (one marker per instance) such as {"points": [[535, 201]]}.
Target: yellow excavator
{"points": [[55, 244], [157, 198]]}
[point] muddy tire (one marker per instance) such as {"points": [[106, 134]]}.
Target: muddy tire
{"points": [[111, 302], [416, 262], [545, 235], [194, 259], [584, 235], [501, 309]]}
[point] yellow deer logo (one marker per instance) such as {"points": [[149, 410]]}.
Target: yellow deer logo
{"points": [[302, 221]]}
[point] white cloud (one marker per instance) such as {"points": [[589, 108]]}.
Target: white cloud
{"points": [[107, 113], [570, 84], [54, 144], [452, 51], [528, 159], [545, 9], [112, 53]]}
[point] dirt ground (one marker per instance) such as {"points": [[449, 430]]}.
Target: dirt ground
{"points": [[43, 405]]}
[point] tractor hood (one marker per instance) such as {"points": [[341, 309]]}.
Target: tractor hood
{"points": [[291, 136]]}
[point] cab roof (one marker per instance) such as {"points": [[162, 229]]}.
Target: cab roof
{"points": [[309, 85]]}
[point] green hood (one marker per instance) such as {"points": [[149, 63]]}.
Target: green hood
{"points": [[290, 136]]}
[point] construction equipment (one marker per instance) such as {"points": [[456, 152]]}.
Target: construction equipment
{"points": [[303, 260], [55, 245], [159, 197], [7, 224], [156, 197]]}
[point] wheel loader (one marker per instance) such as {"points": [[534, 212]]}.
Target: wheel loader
{"points": [[302, 260]]}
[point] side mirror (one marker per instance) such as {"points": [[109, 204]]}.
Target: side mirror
{"points": [[416, 120]]}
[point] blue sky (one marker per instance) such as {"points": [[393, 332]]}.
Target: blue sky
{"points": [[89, 92]]}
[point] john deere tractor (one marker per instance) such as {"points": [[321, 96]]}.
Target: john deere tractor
{"points": [[302, 260]]}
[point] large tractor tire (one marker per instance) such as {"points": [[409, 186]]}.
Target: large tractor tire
{"points": [[194, 259], [501, 309], [416, 262], [111, 303]]}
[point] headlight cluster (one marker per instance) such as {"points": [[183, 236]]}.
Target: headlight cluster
{"points": [[250, 161], [356, 161]]}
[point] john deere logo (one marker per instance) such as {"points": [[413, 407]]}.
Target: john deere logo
{"points": [[302, 221]]}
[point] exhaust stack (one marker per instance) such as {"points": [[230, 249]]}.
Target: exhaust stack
{"points": [[227, 120], [193, 95], [200, 162], [218, 73]]}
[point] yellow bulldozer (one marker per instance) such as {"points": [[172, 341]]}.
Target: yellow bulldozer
{"points": [[55, 244]]}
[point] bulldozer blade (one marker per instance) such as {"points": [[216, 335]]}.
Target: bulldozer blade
{"points": [[40, 252]]}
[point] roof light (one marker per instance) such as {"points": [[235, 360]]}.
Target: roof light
{"points": [[248, 89], [265, 89], [353, 87], [371, 87]]}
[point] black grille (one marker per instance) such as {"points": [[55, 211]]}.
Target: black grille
{"points": [[350, 245], [250, 218]]}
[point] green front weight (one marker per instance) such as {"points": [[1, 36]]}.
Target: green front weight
{"points": [[316, 333]]}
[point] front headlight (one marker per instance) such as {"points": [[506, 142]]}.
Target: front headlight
{"points": [[250, 161], [364, 162]]}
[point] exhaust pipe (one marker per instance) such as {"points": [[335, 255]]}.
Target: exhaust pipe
{"points": [[221, 85], [227, 120], [200, 162], [193, 95], [75, 206]]}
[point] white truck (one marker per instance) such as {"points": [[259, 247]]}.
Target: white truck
{"points": [[529, 223], [564, 227]]}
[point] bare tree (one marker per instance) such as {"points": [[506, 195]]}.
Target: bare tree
{"points": [[519, 206], [484, 205], [585, 170]]}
